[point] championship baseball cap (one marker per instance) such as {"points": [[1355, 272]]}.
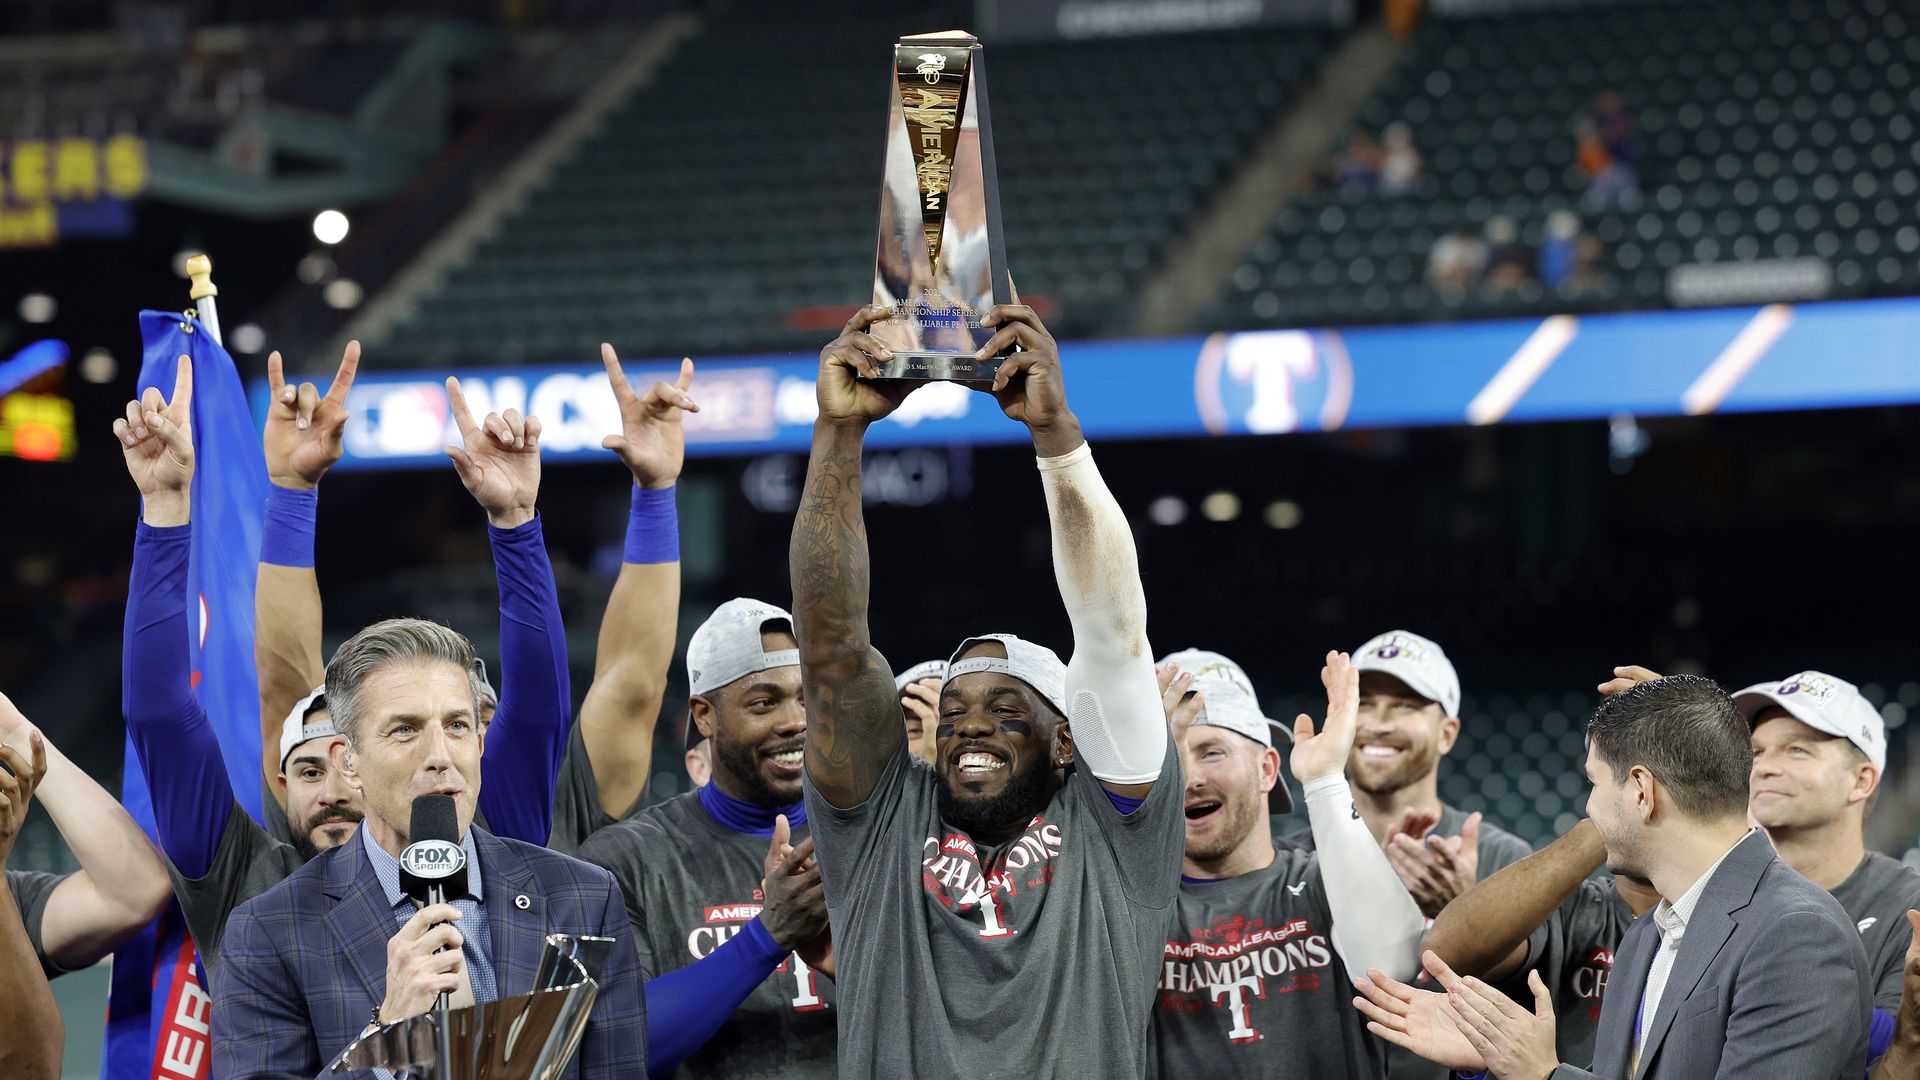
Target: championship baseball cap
{"points": [[727, 647], [1416, 661], [1230, 703], [297, 728], [925, 669], [1824, 703], [1035, 665]]}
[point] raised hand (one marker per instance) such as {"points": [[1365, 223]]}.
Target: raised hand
{"points": [[1416, 1020], [1028, 384], [23, 764], [156, 437], [1181, 710], [1902, 1058], [849, 388], [795, 905], [1325, 754], [302, 439], [1437, 868], [501, 462], [1515, 1044], [1628, 676], [652, 441]]}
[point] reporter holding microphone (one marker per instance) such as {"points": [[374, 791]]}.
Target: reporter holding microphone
{"points": [[346, 944]]}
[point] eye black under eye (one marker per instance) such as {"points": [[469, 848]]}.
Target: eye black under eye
{"points": [[944, 731]]}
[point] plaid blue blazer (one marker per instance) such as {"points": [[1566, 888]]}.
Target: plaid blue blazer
{"points": [[304, 963]]}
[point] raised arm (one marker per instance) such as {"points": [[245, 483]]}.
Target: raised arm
{"points": [[1118, 724], [121, 884], [36, 1036], [500, 466], [639, 629], [853, 714], [1484, 930], [1376, 924], [301, 442], [176, 744]]}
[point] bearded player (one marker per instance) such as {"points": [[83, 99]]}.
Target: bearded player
{"points": [[1003, 910], [1265, 944]]}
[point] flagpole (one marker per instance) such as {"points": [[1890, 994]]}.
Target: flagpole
{"points": [[203, 290]]}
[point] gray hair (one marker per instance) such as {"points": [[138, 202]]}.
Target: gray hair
{"points": [[392, 641]]}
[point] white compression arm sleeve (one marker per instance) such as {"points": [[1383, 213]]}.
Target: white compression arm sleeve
{"points": [[1365, 894], [1113, 700]]}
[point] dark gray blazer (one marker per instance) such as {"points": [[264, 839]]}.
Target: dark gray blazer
{"points": [[1771, 981]]}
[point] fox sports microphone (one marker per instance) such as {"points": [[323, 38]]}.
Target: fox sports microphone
{"points": [[433, 866]]}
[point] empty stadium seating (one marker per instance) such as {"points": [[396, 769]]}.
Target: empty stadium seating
{"points": [[1767, 129], [731, 204]]}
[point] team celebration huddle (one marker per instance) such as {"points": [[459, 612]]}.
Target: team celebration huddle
{"points": [[1000, 863], [909, 842]]}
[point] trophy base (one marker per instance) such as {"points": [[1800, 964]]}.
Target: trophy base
{"points": [[940, 367]]}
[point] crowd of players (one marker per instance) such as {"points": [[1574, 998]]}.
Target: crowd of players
{"points": [[998, 864]]}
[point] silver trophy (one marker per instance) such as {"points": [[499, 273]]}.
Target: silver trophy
{"points": [[526, 1037], [941, 261]]}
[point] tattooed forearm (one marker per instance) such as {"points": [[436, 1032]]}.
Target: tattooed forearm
{"points": [[854, 723]]}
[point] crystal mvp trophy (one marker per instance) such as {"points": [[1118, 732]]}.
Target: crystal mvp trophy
{"points": [[941, 262]]}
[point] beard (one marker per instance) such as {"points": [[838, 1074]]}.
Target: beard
{"points": [[303, 835], [741, 763], [1236, 818], [1416, 763], [1007, 810]]}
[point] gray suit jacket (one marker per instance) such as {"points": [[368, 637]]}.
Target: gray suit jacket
{"points": [[1771, 982]]}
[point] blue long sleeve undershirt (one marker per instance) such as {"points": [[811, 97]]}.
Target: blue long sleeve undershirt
{"points": [[686, 1007], [175, 742], [529, 731]]}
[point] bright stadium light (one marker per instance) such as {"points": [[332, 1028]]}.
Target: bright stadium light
{"points": [[38, 307], [98, 365], [341, 294], [1167, 510], [330, 226], [247, 338], [1283, 514], [1220, 506]]}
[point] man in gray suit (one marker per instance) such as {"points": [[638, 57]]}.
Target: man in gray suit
{"points": [[1746, 970]]}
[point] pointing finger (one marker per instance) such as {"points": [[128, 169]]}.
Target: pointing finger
{"points": [[685, 381], [343, 378], [462, 416], [622, 390], [183, 385], [276, 374]]}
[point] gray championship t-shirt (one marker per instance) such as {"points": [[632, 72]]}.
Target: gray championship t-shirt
{"points": [[31, 891], [247, 863], [1574, 952], [691, 883], [577, 813], [1251, 987], [1498, 849], [1030, 960], [1877, 897]]}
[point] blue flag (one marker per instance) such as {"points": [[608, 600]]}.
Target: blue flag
{"points": [[156, 1016]]}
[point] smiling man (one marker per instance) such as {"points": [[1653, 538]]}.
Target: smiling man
{"points": [[1819, 756], [1409, 719], [1002, 911], [338, 948], [1264, 943], [730, 995]]}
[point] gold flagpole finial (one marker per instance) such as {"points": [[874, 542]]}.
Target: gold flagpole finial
{"points": [[200, 274]]}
